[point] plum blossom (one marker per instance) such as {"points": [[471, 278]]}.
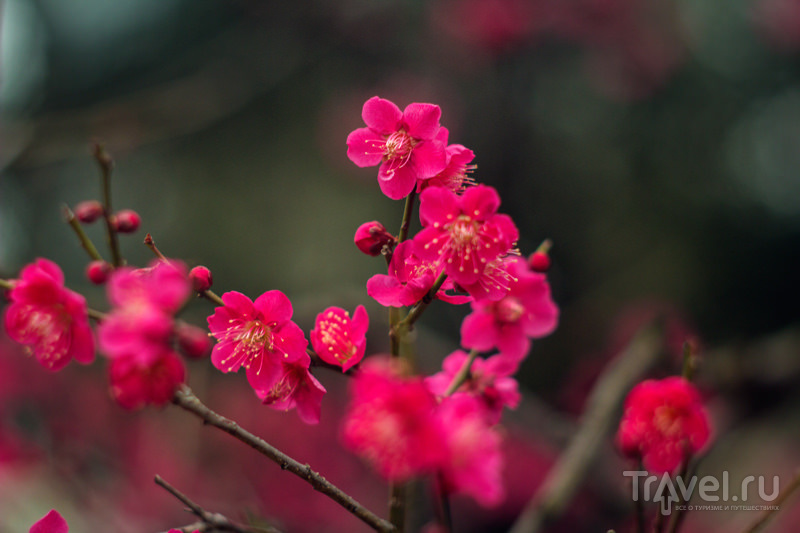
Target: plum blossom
{"points": [[339, 339], [490, 381], [392, 422], [141, 321], [257, 335], [473, 463], [508, 324], [409, 280], [404, 143], [463, 233], [136, 383], [664, 422], [49, 319], [456, 175], [296, 388]]}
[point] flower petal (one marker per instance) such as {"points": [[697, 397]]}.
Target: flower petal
{"points": [[381, 115], [365, 147], [422, 120], [274, 306]]}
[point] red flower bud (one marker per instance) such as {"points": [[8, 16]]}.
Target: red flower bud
{"points": [[539, 262], [127, 221], [201, 278], [98, 271], [88, 211], [371, 237]]}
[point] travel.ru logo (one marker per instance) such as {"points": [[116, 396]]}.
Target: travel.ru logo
{"points": [[668, 491]]}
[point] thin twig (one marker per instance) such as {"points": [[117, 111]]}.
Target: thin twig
{"points": [[208, 521], [185, 399], [565, 476], [150, 243], [408, 210], [463, 373], [86, 242], [762, 521], [106, 164]]}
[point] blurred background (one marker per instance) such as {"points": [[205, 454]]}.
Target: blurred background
{"points": [[656, 142]]}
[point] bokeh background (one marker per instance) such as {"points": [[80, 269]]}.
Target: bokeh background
{"points": [[656, 142]]}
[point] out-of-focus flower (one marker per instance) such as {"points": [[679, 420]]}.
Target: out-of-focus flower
{"points": [[473, 463], [144, 301], [296, 388], [392, 422], [490, 381], [258, 336], [49, 319], [52, 522], [664, 422], [409, 280], [403, 143], [136, 383], [463, 233], [779, 22], [193, 341], [371, 237], [339, 339], [508, 324]]}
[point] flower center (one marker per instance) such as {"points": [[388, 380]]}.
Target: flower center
{"points": [[398, 144], [334, 332], [250, 339], [509, 309], [667, 421]]}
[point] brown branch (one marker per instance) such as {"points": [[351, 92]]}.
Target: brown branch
{"points": [[564, 478], [208, 521], [185, 399], [86, 242]]}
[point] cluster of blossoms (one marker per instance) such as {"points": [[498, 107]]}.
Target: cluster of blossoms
{"points": [[445, 424], [404, 424]]}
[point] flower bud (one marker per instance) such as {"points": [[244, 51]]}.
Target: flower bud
{"points": [[98, 271], [539, 262], [127, 221], [371, 237], [201, 278], [88, 211], [193, 341]]}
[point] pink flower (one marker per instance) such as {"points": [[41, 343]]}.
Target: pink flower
{"points": [[508, 324], [392, 423], [258, 336], [474, 460], [409, 280], [296, 388], [49, 319], [403, 142], [52, 522], [490, 381], [141, 323], [463, 233], [663, 423], [136, 383], [339, 339], [456, 175]]}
